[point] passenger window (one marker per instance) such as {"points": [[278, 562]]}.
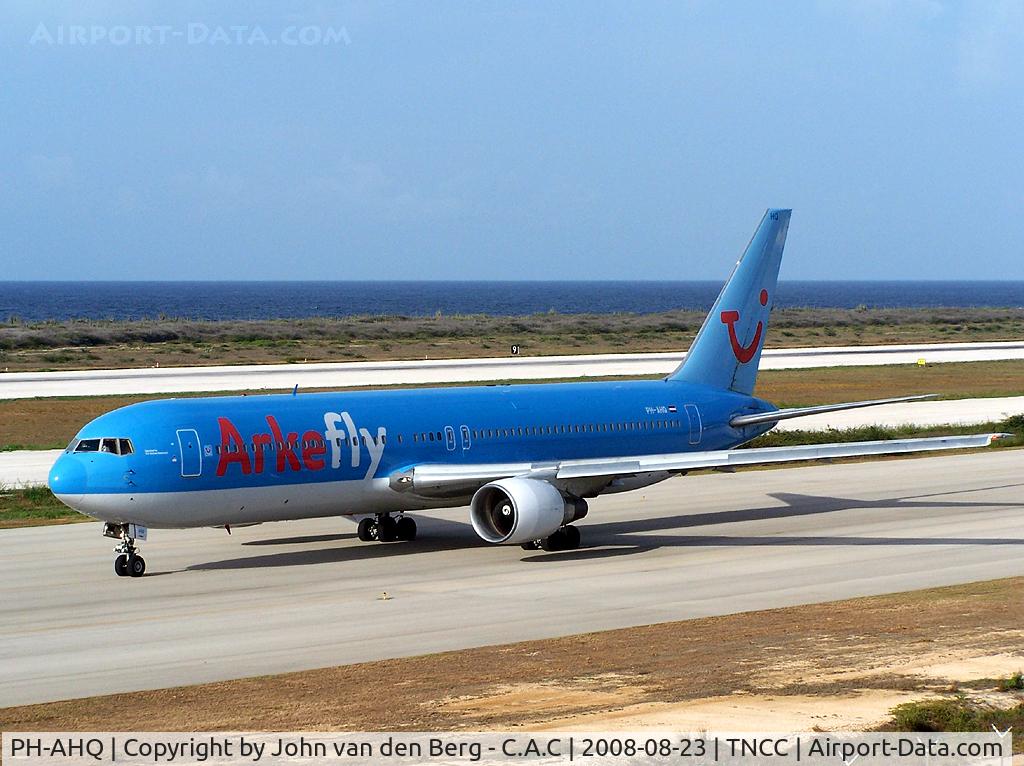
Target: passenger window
{"points": [[88, 445]]}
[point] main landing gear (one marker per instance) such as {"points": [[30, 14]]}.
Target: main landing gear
{"points": [[385, 529], [128, 562], [565, 539]]}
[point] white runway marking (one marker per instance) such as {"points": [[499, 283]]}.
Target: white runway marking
{"points": [[301, 595]]}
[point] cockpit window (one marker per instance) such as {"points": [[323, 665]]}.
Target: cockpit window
{"points": [[110, 445]]}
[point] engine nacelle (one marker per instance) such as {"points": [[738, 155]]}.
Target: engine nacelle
{"points": [[515, 511]]}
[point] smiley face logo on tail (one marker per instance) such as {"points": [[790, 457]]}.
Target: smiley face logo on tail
{"points": [[744, 353]]}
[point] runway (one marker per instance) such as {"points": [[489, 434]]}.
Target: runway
{"points": [[302, 595], [20, 385]]}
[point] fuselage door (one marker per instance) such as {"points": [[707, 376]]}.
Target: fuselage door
{"points": [[466, 443], [449, 438], [696, 427], [190, 451]]}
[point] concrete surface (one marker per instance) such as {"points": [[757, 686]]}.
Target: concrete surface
{"points": [[25, 467], [19, 385], [928, 413], [300, 595]]}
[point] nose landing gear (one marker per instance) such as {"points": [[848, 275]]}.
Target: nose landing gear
{"points": [[128, 562], [385, 529]]}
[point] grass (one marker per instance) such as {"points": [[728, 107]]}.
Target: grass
{"points": [[953, 380], [1014, 682], [176, 341], [1013, 425], [958, 714], [34, 506]]}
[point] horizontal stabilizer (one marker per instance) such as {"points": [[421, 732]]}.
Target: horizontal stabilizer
{"points": [[799, 412]]}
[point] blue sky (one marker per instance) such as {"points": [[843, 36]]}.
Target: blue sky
{"points": [[532, 140]]}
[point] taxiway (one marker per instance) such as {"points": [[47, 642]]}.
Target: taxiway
{"points": [[298, 595]]}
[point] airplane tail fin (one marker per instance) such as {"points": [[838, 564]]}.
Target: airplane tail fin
{"points": [[727, 350]]}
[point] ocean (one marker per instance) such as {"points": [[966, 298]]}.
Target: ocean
{"points": [[40, 301]]}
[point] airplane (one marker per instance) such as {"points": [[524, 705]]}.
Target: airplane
{"points": [[525, 459]]}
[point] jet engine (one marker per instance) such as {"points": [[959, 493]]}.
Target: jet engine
{"points": [[516, 511]]}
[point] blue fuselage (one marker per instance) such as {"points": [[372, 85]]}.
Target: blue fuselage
{"points": [[218, 444]]}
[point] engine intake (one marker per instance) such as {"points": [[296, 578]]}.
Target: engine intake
{"points": [[515, 511]]}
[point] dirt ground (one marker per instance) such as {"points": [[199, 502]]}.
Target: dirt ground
{"points": [[827, 666]]}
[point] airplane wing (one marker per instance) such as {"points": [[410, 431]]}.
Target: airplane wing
{"points": [[446, 480]]}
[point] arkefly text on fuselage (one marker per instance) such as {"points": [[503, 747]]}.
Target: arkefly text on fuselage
{"points": [[525, 459]]}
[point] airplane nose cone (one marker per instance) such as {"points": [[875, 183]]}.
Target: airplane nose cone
{"points": [[68, 477]]}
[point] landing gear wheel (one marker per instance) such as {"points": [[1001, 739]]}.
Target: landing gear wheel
{"points": [[136, 566], [127, 561], [388, 530], [564, 539], [405, 529], [366, 531], [554, 542], [533, 545]]}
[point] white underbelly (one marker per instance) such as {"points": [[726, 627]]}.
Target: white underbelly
{"points": [[216, 507]]}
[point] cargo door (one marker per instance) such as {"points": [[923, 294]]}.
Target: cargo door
{"points": [[696, 427]]}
